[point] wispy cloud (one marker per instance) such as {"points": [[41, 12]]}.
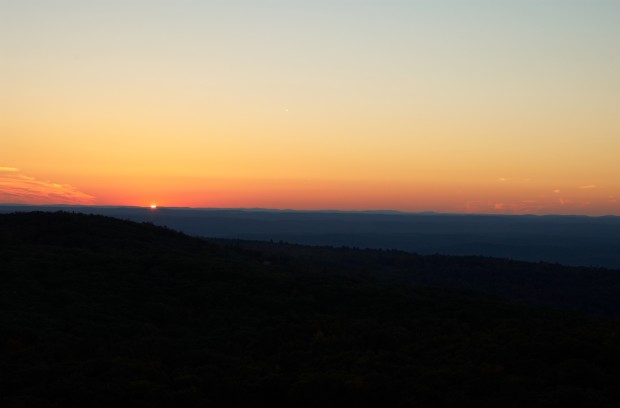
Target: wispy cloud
{"points": [[587, 187], [17, 188], [519, 207]]}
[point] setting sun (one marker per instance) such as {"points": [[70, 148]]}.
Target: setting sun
{"points": [[153, 206]]}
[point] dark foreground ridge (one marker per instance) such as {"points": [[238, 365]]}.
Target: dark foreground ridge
{"points": [[96, 311]]}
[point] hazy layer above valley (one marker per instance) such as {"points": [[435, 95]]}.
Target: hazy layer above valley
{"points": [[571, 240]]}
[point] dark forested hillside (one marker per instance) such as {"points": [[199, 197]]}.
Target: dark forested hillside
{"points": [[97, 311], [590, 290]]}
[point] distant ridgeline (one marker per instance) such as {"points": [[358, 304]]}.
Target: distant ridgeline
{"points": [[99, 311], [569, 240]]}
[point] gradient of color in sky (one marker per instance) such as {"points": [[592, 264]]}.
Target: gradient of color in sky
{"points": [[497, 106]]}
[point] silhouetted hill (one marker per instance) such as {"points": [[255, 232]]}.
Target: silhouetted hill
{"points": [[97, 311], [590, 290], [569, 240]]}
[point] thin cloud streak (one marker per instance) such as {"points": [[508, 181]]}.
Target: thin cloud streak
{"points": [[17, 188]]}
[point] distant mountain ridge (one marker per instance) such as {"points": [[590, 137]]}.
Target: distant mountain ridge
{"points": [[570, 240]]}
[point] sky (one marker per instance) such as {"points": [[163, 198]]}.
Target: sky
{"points": [[461, 106]]}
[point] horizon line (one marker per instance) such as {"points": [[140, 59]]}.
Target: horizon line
{"points": [[326, 210]]}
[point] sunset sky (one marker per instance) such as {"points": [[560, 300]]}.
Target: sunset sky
{"points": [[496, 106]]}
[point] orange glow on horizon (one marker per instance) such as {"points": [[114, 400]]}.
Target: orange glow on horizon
{"points": [[502, 195]]}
